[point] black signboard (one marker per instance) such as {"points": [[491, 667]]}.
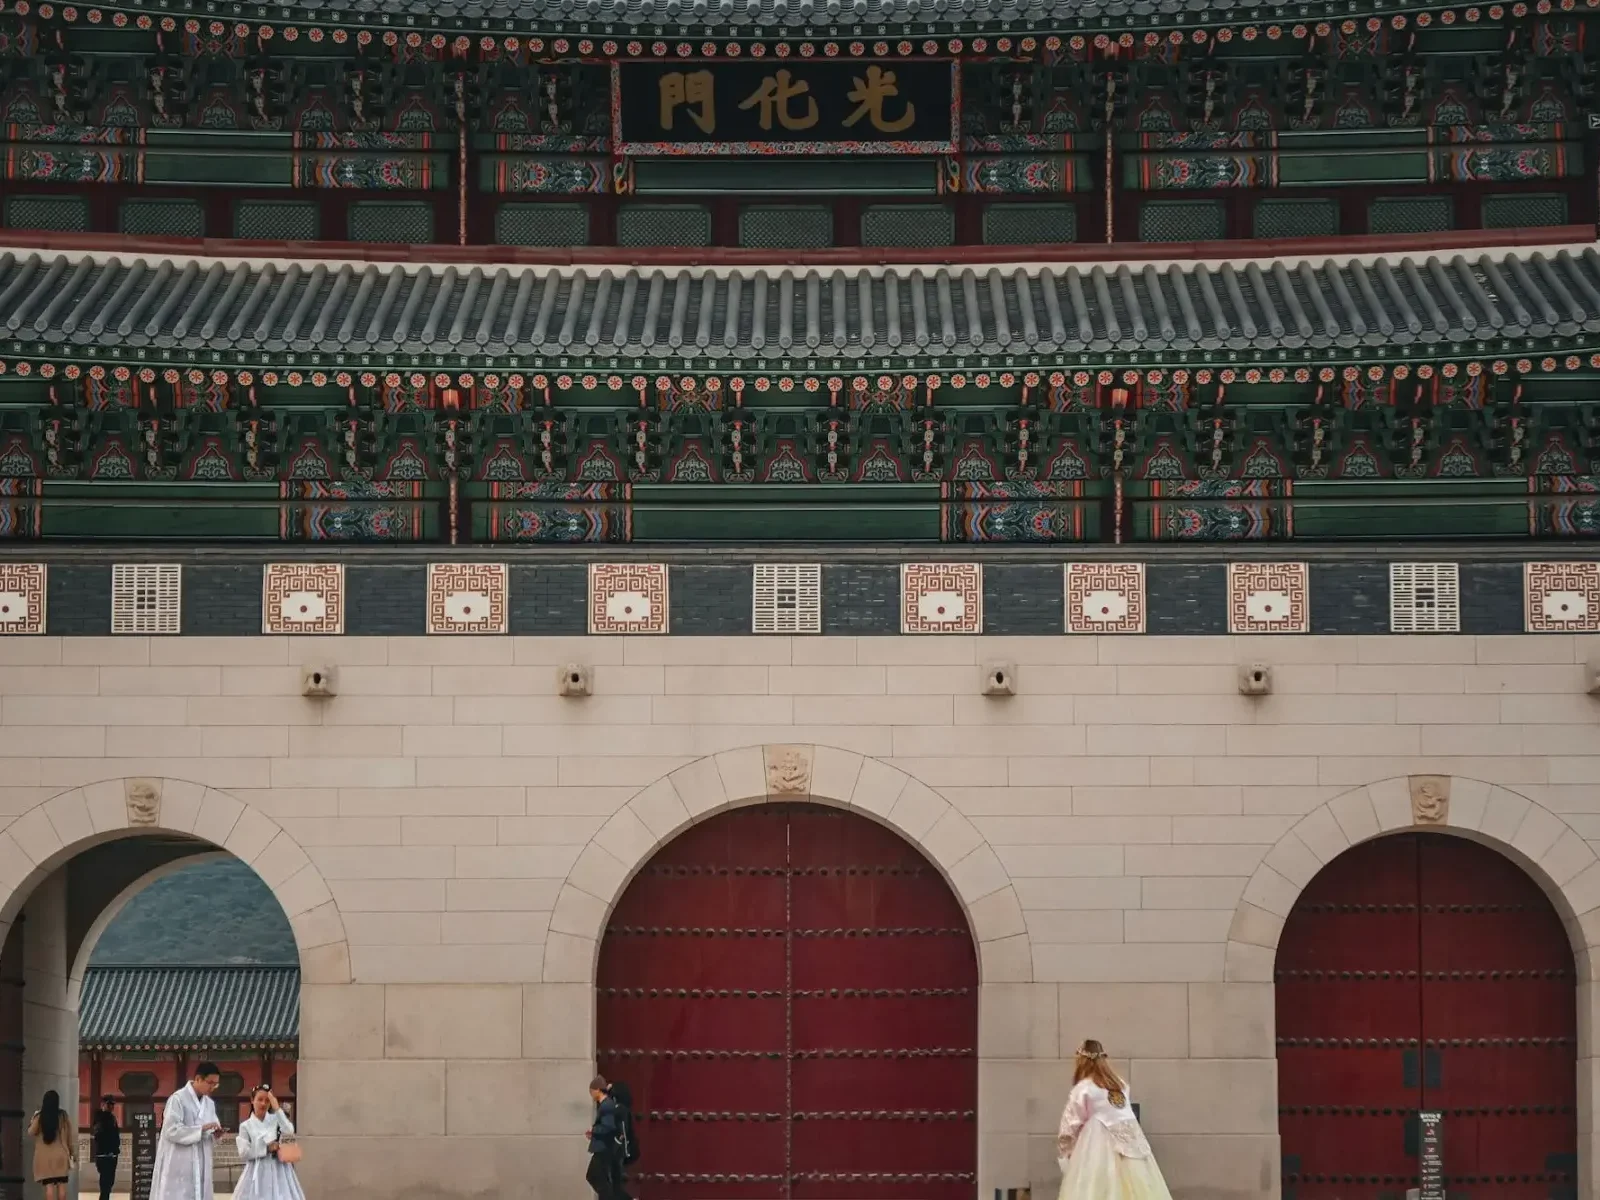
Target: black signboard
{"points": [[784, 107], [144, 1150], [1431, 1172]]}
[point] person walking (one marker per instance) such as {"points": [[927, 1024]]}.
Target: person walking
{"points": [[189, 1129], [105, 1144], [268, 1150], [55, 1147], [1102, 1151], [603, 1172]]}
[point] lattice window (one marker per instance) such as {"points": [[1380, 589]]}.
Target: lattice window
{"points": [[163, 218], [541, 225], [1524, 211], [1411, 214], [786, 227], [1296, 218], [1181, 221], [391, 221], [1424, 597], [908, 225], [788, 598], [664, 225], [1029, 224], [64, 214], [276, 220], [146, 598]]}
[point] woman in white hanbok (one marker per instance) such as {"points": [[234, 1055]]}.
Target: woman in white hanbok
{"points": [[261, 1137], [1103, 1152]]}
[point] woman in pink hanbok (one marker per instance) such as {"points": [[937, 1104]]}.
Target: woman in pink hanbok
{"points": [[1102, 1151]]}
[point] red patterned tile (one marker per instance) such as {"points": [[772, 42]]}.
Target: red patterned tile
{"points": [[1268, 598], [1105, 597], [1562, 597], [941, 598], [628, 598], [22, 598], [302, 598], [467, 598]]}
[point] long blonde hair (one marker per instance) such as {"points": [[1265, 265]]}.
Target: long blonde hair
{"points": [[1093, 1064]]}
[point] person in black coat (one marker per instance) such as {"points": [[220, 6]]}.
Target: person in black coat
{"points": [[106, 1144], [602, 1135]]}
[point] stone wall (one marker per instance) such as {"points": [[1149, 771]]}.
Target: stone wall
{"points": [[1126, 832]]}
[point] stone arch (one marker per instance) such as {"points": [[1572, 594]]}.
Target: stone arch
{"points": [[44, 837], [1541, 842], [754, 775]]}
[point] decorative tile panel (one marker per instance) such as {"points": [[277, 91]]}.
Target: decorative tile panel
{"points": [[1268, 598], [628, 598], [302, 598], [467, 598], [787, 598], [1562, 597], [22, 596], [146, 598], [1105, 597], [1424, 597], [941, 598]]}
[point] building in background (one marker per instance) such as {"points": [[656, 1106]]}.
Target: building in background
{"points": [[809, 556], [143, 1029]]}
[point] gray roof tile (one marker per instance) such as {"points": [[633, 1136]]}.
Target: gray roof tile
{"points": [[189, 1007], [249, 312]]}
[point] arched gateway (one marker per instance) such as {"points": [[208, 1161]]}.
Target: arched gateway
{"points": [[1417, 972], [790, 990]]}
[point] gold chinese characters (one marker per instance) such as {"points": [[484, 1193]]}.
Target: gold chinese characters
{"points": [[782, 101]]}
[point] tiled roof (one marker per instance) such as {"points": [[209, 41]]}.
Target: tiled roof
{"points": [[245, 313], [192, 1008]]}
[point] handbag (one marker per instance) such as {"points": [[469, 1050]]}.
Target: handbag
{"points": [[288, 1150]]}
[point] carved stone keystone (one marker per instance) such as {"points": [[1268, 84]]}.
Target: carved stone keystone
{"points": [[144, 801], [1430, 799], [788, 770]]}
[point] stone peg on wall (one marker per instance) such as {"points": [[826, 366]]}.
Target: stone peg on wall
{"points": [[144, 801], [1430, 799], [788, 770]]}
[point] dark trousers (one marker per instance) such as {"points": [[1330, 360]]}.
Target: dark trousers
{"points": [[108, 1175], [602, 1176]]}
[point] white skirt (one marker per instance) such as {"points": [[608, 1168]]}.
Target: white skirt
{"points": [[268, 1179], [1112, 1162]]}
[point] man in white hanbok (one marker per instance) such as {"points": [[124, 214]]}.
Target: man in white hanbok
{"points": [[189, 1128]]}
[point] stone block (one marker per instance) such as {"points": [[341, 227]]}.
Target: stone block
{"points": [[1355, 814], [1132, 1020], [569, 959], [997, 915], [1504, 814], [1183, 1095], [660, 809], [627, 839], [478, 1021], [557, 1020], [1231, 1020], [341, 1021], [516, 1097], [743, 773], [699, 785], [879, 785], [834, 773], [218, 814], [1006, 960], [1212, 1167], [386, 1099], [577, 912], [1019, 1020]]}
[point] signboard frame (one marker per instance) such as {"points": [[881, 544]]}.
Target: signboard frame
{"points": [[779, 146], [142, 1162], [1430, 1155]]}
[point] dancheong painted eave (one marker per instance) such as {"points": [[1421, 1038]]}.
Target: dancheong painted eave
{"points": [[221, 1007], [194, 311], [651, 28]]}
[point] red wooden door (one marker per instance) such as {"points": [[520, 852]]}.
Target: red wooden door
{"points": [[1424, 971], [791, 993]]}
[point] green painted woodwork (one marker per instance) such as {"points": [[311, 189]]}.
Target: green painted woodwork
{"points": [[908, 225], [910, 175]]}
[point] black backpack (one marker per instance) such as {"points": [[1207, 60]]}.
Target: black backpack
{"points": [[627, 1140]]}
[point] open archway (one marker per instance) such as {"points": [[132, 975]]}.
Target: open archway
{"points": [[1422, 971], [790, 992], [68, 865]]}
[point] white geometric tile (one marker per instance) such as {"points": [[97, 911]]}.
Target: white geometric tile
{"points": [[1562, 597], [628, 598], [786, 598], [146, 598], [467, 598], [1268, 598], [941, 598], [1105, 597], [22, 598], [302, 598], [1424, 597]]}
